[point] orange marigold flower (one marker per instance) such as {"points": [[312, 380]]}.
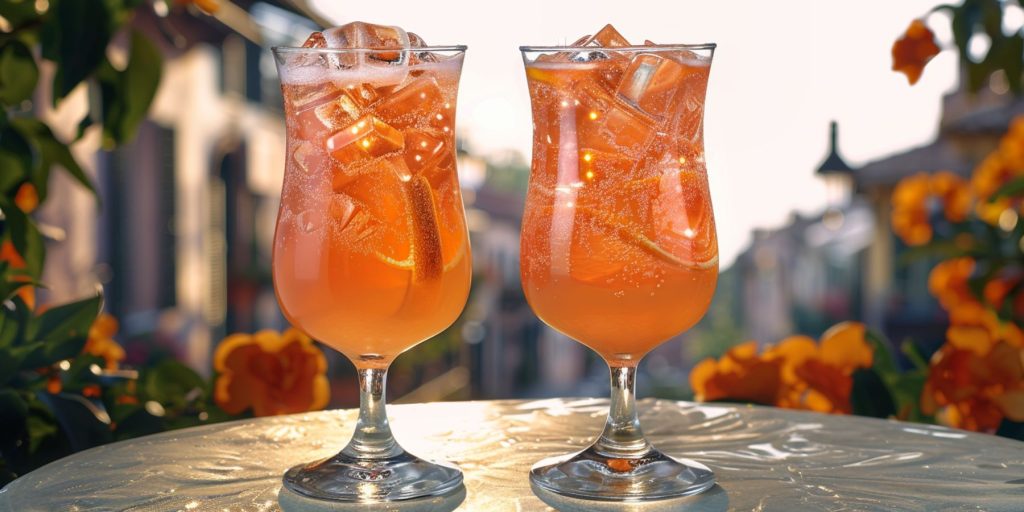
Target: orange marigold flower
{"points": [[824, 379], [27, 198], [975, 381], [10, 255], [739, 375], [910, 209], [948, 282], [1011, 147], [912, 51], [272, 373], [989, 176], [795, 373], [101, 341], [954, 194], [912, 201]]}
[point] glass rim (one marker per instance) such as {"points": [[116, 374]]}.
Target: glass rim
{"points": [[656, 47], [303, 49]]}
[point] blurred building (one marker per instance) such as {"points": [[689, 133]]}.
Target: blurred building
{"points": [[846, 263], [181, 243]]}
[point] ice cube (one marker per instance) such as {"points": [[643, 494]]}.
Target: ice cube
{"points": [[332, 111], [611, 125], [424, 151], [386, 66], [315, 40], [369, 137], [304, 157], [650, 82], [337, 114], [607, 37], [415, 41], [407, 105], [360, 34], [375, 204]]}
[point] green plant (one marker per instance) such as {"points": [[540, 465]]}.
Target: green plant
{"points": [[36, 344]]}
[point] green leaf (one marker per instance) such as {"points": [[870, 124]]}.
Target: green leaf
{"points": [[40, 428], [882, 360], [9, 365], [126, 95], [18, 12], [79, 374], [25, 237], [870, 396], [68, 322], [53, 151], [16, 158], [18, 73], [909, 349], [170, 382], [75, 37], [1012, 188], [13, 412], [1013, 61]]}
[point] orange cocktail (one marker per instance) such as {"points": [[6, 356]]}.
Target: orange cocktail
{"points": [[618, 244], [619, 250], [371, 253]]}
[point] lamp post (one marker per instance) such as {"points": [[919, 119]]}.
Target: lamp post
{"points": [[838, 178]]}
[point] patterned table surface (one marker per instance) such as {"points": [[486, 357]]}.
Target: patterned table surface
{"points": [[765, 459]]}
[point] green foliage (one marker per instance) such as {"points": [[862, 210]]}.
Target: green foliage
{"points": [[127, 94], [974, 18], [40, 349]]}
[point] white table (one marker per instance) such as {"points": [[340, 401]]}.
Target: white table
{"points": [[763, 457]]}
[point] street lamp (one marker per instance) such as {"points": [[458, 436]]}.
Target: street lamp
{"points": [[838, 178]]}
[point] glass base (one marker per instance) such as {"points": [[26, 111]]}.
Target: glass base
{"points": [[351, 479], [592, 476]]}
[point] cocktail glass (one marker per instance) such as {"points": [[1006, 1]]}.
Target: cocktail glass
{"points": [[371, 253], [619, 249]]}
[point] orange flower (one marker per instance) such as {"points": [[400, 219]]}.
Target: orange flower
{"points": [[975, 381], [739, 375], [912, 51], [1011, 147], [27, 198], [10, 255], [270, 372], [822, 375], [948, 283], [101, 341], [954, 194], [912, 199], [910, 209], [796, 373]]}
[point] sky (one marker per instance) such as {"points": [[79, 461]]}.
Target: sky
{"points": [[781, 72]]}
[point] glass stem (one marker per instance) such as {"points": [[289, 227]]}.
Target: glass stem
{"points": [[622, 437], [372, 439]]}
